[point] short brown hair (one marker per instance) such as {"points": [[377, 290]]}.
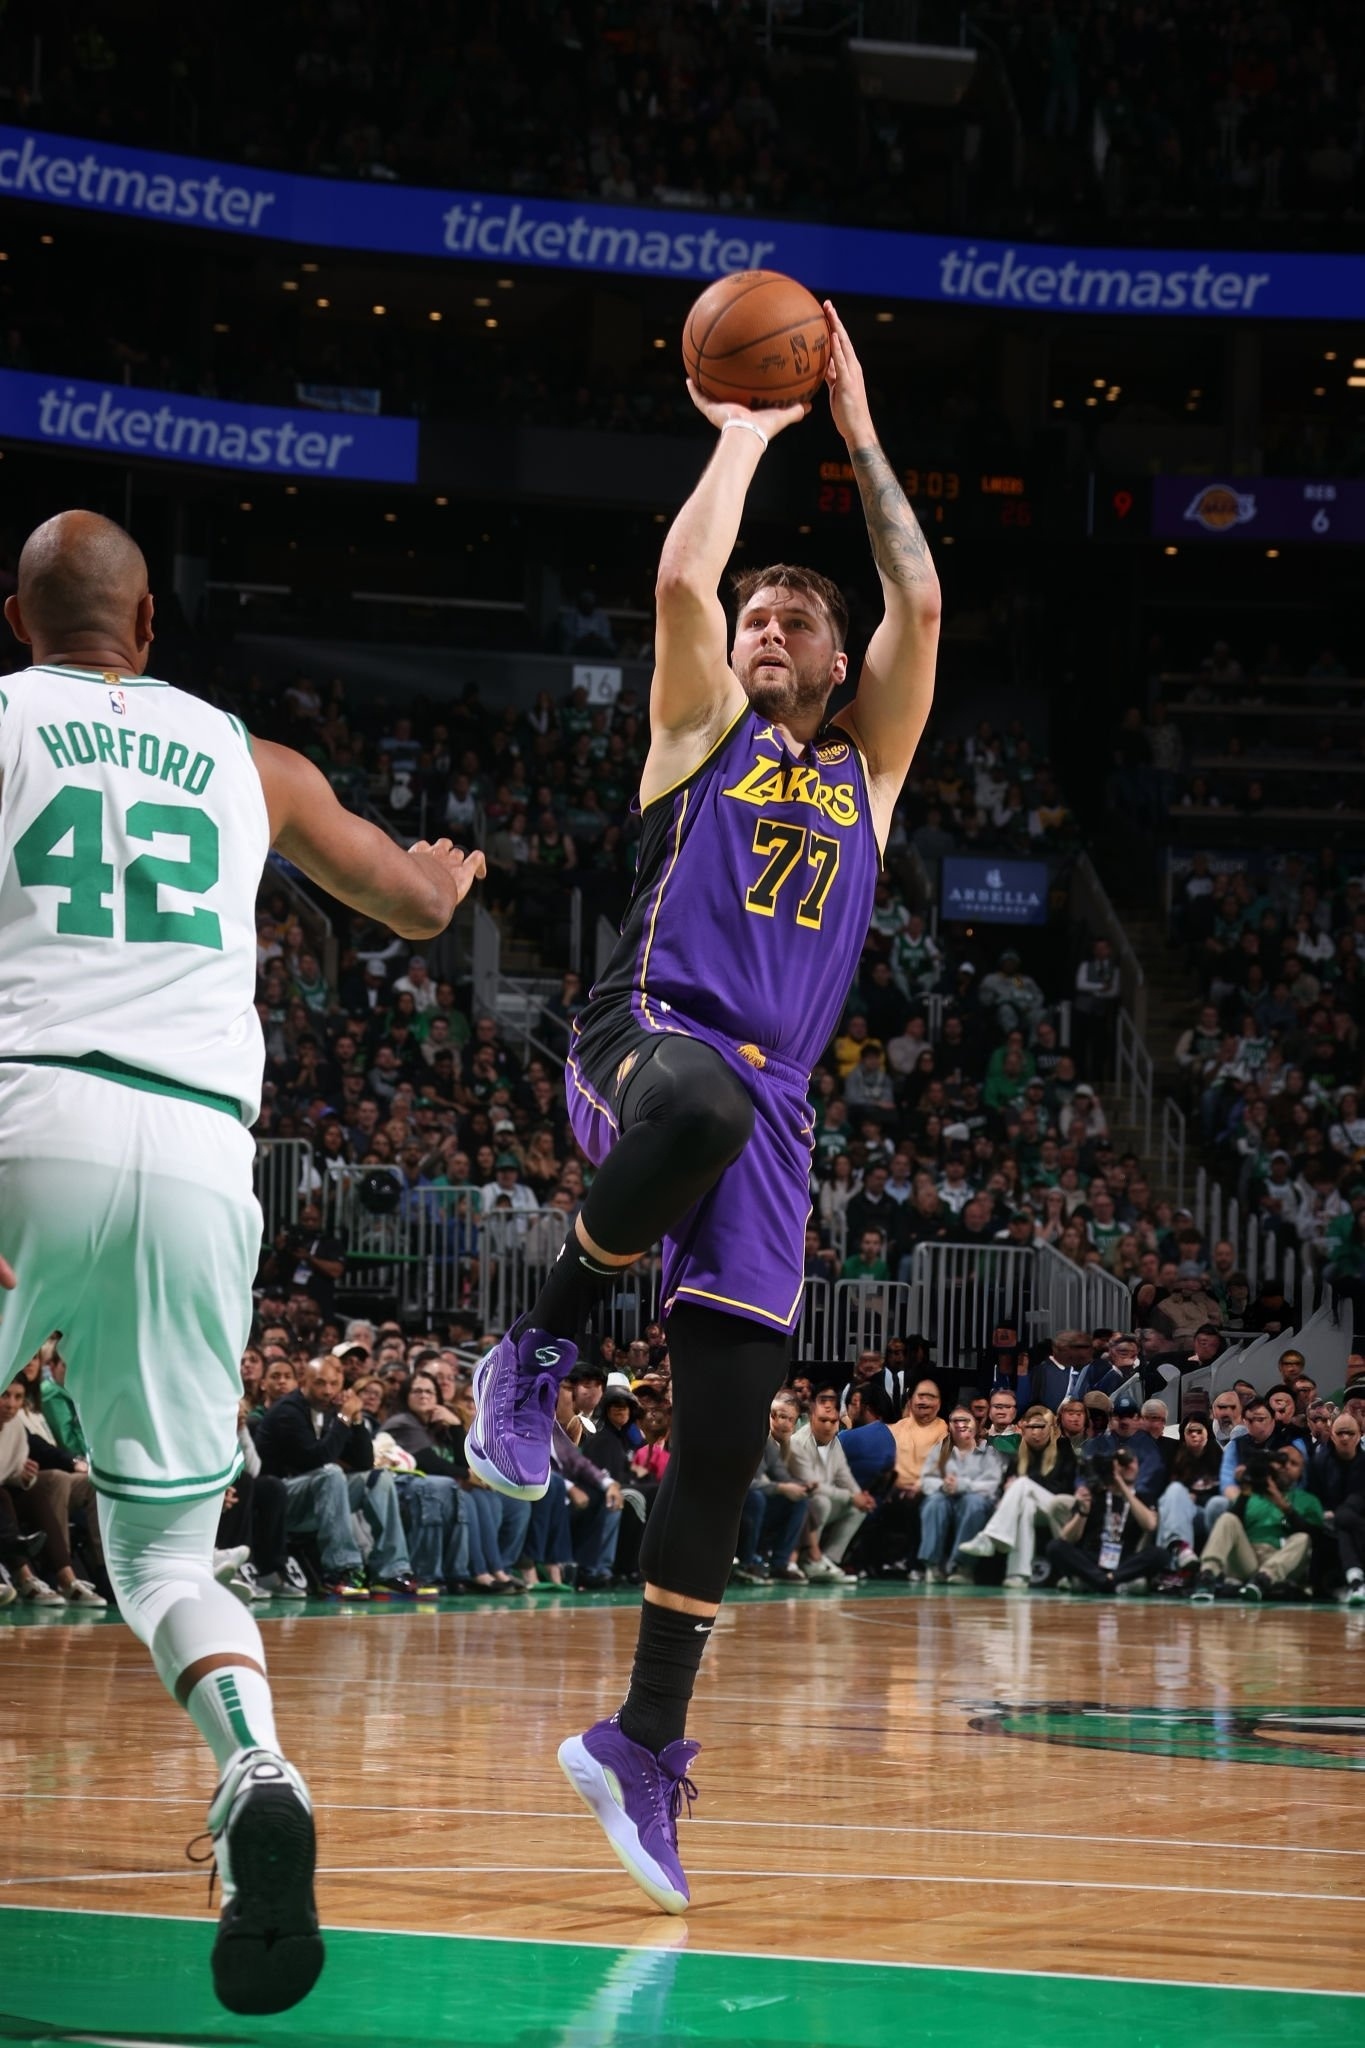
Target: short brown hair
{"points": [[783, 576]]}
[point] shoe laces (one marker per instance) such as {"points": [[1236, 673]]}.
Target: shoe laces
{"points": [[531, 1395], [676, 1787], [199, 1856]]}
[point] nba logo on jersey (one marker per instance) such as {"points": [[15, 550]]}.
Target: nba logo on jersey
{"points": [[118, 703]]}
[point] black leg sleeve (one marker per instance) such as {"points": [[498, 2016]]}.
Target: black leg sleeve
{"points": [[684, 1117], [725, 1373]]}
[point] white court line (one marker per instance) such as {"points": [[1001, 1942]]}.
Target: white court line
{"points": [[826, 1827], [750, 1955], [405, 1870]]}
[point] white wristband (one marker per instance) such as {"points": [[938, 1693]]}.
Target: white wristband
{"points": [[749, 428]]}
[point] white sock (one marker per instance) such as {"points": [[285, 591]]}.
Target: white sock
{"points": [[233, 1710], [160, 1558]]}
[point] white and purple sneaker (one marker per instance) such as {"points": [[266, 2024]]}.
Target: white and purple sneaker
{"points": [[515, 1390], [637, 1798]]}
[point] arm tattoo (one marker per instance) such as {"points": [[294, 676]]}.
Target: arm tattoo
{"points": [[898, 545]]}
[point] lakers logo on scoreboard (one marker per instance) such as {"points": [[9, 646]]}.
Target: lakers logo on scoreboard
{"points": [[1218, 508], [1304, 1738]]}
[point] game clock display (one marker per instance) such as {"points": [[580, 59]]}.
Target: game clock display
{"points": [[945, 500]]}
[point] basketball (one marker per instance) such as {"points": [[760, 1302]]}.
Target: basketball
{"points": [[757, 338]]}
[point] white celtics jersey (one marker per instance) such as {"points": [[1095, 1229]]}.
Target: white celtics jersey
{"points": [[133, 831]]}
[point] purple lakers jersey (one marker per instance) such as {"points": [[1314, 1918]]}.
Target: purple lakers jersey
{"points": [[753, 895]]}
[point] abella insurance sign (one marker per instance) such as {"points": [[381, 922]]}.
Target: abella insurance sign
{"points": [[973, 891]]}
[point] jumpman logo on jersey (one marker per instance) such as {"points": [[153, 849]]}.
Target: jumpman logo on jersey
{"points": [[768, 733]]}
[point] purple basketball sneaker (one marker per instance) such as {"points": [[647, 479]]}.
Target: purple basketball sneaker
{"points": [[637, 1797], [515, 1389]]}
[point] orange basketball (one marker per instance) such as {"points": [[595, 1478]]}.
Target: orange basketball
{"points": [[756, 338]]}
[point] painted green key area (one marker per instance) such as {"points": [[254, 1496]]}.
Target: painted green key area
{"points": [[115, 1978]]}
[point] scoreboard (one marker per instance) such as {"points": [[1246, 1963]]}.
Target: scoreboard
{"points": [[1224, 510], [967, 501]]}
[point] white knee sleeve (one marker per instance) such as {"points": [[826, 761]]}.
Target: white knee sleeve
{"points": [[160, 1560]]}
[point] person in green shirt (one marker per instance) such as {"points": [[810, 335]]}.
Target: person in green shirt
{"points": [[1266, 1540], [870, 1263], [59, 1410]]}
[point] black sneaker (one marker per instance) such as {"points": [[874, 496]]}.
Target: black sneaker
{"points": [[401, 1587], [296, 1578], [268, 1952], [750, 1575], [346, 1586]]}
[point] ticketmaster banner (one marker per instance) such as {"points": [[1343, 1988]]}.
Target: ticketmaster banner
{"points": [[168, 426], [634, 241]]}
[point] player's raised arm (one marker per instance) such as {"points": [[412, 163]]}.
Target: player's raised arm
{"points": [[896, 687], [414, 893], [694, 689]]}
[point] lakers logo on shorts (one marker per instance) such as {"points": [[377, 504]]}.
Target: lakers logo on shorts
{"points": [[752, 1054], [623, 1071]]}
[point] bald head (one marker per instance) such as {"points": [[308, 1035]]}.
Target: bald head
{"points": [[83, 594]]}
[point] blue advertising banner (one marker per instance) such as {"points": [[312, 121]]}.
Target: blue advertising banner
{"points": [[974, 891], [169, 426], [1258, 508], [138, 184]]}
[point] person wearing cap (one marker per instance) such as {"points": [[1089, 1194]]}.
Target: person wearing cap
{"points": [[1125, 1432], [1013, 996], [353, 1359], [1186, 1304], [1082, 1119], [621, 1410], [507, 1190]]}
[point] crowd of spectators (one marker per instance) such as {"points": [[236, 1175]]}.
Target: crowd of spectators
{"points": [[1063, 1480], [1240, 740], [355, 1483], [1273, 1059], [1132, 111]]}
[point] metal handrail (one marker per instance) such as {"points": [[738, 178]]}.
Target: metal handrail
{"points": [[1173, 1142], [1090, 899]]}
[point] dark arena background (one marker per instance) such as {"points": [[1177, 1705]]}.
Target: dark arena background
{"points": [[366, 323]]}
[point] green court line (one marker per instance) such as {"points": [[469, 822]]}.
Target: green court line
{"points": [[69, 1976]]}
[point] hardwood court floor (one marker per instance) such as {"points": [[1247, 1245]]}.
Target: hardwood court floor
{"points": [[1112, 1803]]}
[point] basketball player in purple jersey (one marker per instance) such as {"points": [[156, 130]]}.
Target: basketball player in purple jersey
{"points": [[687, 1084]]}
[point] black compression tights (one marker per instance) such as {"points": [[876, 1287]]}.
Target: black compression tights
{"points": [[725, 1373], [683, 1118]]}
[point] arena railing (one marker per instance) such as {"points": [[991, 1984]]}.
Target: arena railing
{"points": [[1260, 1253], [283, 1174], [962, 1293], [436, 1251], [1172, 1153]]}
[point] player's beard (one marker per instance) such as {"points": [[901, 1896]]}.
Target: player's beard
{"points": [[793, 695]]}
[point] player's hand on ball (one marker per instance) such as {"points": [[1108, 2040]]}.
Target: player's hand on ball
{"points": [[769, 420], [847, 387]]}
